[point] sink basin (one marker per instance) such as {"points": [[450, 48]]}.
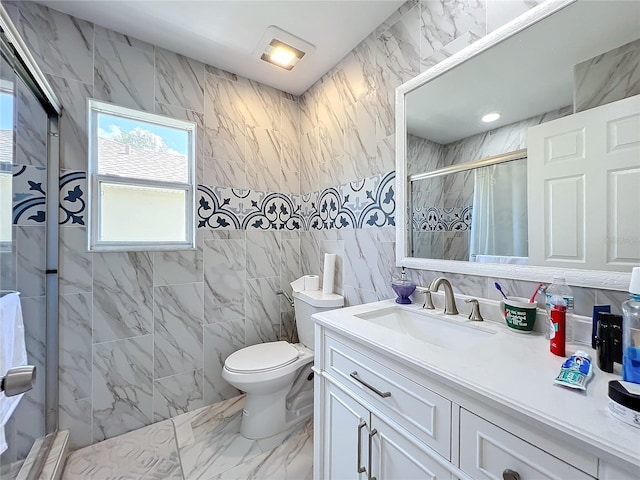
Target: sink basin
{"points": [[437, 331]]}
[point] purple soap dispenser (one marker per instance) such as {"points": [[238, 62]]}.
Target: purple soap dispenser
{"points": [[403, 289]]}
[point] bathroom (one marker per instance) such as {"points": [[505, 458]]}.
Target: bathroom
{"points": [[143, 335]]}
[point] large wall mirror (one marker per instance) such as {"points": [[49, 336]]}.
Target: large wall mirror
{"points": [[519, 157]]}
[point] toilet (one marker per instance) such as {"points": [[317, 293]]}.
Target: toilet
{"points": [[276, 375]]}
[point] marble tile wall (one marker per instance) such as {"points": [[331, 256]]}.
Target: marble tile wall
{"points": [[612, 76]]}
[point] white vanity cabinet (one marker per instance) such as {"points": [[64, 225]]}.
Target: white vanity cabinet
{"points": [[377, 418]]}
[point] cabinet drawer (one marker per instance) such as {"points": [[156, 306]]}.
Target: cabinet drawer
{"points": [[486, 451], [417, 409]]}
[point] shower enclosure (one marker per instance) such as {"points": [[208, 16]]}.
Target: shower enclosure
{"points": [[28, 243]]}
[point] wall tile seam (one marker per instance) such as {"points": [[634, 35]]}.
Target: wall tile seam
{"points": [[146, 335], [185, 372], [179, 284]]}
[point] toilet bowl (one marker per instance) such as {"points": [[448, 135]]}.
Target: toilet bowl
{"points": [[268, 371]]}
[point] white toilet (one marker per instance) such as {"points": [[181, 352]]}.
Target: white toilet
{"points": [[267, 372]]}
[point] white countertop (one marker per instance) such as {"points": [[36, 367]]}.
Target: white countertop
{"points": [[509, 368]]}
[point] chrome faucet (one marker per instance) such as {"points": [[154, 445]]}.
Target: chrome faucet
{"points": [[428, 301], [475, 314], [449, 299]]}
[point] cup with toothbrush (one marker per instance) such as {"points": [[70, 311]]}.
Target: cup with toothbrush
{"points": [[519, 313]]}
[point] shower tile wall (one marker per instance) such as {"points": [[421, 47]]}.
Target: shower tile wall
{"points": [[127, 358]]}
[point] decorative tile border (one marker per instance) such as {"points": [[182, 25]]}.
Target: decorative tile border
{"points": [[361, 204], [364, 203], [29, 196], [437, 219], [73, 185], [238, 209]]}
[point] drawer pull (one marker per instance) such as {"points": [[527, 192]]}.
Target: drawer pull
{"points": [[355, 376], [361, 425], [371, 435], [510, 475]]}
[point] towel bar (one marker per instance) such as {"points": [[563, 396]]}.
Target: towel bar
{"points": [[18, 380]]}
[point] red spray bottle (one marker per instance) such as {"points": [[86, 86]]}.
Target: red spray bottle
{"points": [[558, 325]]}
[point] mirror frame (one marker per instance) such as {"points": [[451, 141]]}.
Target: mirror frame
{"points": [[608, 280]]}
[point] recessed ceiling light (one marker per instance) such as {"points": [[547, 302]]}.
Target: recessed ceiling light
{"points": [[282, 54], [491, 117], [281, 48]]}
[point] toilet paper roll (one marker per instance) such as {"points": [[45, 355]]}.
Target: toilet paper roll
{"points": [[297, 285], [306, 282], [311, 282], [329, 272]]}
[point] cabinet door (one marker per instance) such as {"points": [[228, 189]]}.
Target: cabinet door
{"points": [[401, 456], [346, 429]]}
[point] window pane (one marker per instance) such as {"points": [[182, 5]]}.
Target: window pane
{"points": [[136, 149], [142, 214]]}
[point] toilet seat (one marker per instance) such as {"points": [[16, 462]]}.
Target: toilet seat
{"points": [[263, 357]]}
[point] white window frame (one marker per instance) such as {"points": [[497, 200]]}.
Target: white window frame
{"points": [[94, 180]]}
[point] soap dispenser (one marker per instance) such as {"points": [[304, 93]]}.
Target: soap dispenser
{"points": [[403, 288]]}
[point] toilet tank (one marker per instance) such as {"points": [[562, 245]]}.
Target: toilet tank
{"points": [[306, 304]]}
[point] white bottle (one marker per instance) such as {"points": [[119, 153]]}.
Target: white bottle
{"points": [[559, 287]]}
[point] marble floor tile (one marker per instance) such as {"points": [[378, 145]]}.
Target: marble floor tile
{"points": [[291, 460], [204, 444], [149, 453]]}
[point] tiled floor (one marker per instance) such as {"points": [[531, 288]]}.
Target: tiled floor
{"points": [[203, 445]]}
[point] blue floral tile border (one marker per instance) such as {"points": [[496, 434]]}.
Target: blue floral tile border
{"points": [[437, 219], [361, 204], [238, 209], [365, 203], [73, 186], [29, 196]]}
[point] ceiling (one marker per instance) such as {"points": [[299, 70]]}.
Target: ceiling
{"points": [[225, 34], [523, 76]]}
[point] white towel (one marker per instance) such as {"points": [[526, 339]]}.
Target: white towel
{"points": [[13, 353]]}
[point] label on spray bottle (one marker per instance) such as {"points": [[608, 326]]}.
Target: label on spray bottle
{"points": [[558, 326]]}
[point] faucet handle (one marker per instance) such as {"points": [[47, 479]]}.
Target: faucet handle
{"points": [[475, 314], [428, 301]]}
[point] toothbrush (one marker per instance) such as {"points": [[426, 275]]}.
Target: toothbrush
{"points": [[499, 288], [535, 294]]}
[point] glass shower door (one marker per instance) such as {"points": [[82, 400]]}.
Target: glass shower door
{"points": [[23, 247]]}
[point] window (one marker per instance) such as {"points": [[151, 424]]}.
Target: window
{"points": [[6, 159], [141, 180]]}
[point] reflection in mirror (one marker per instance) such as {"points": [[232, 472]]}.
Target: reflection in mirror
{"points": [[459, 212], [7, 259], [477, 214]]}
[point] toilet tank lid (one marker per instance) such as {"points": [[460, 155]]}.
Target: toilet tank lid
{"points": [[316, 298]]}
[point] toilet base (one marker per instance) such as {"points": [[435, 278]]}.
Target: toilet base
{"points": [[266, 415]]}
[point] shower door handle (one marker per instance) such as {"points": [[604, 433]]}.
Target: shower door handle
{"points": [[18, 380]]}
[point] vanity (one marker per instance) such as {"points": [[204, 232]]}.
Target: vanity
{"points": [[406, 393]]}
